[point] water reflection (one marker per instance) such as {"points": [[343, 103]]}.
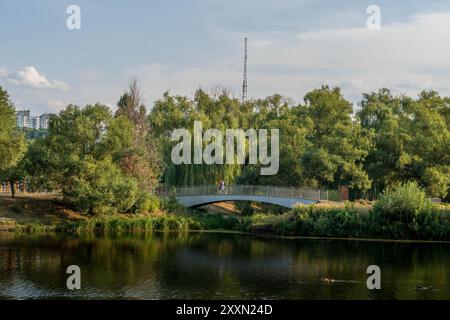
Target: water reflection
{"points": [[219, 266]]}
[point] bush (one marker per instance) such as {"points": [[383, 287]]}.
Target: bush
{"points": [[329, 221], [245, 207], [171, 204], [402, 204], [146, 203], [101, 188], [207, 221], [406, 213]]}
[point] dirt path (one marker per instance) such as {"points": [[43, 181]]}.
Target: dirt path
{"points": [[225, 208]]}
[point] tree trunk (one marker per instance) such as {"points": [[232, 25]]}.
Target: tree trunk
{"points": [[13, 190]]}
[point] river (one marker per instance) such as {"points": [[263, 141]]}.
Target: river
{"points": [[219, 266]]}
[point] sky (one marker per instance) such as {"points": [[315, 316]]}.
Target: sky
{"points": [[180, 45]]}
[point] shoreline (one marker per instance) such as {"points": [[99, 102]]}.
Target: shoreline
{"points": [[281, 237], [53, 230], [46, 214]]}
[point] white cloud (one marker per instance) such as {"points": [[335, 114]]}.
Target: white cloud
{"points": [[29, 76], [3, 73], [56, 106], [261, 43], [406, 57]]}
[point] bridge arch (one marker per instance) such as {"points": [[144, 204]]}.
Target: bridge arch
{"points": [[282, 196], [198, 201]]}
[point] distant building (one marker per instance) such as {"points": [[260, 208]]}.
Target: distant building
{"points": [[25, 121], [35, 122], [23, 118], [44, 120]]}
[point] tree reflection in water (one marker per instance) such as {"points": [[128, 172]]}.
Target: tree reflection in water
{"points": [[219, 266]]}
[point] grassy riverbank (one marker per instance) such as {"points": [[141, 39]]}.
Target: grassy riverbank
{"points": [[31, 211], [40, 213], [45, 213]]}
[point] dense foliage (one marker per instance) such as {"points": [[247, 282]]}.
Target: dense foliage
{"points": [[102, 163], [395, 217], [324, 142], [411, 140], [402, 213], [106, 162]]}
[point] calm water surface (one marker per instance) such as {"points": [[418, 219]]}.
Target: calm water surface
{"points": [[219, 266]]}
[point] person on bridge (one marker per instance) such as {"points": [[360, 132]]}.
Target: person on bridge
{"points": [[222, 186]]}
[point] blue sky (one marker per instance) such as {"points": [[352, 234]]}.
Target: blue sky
{"points": [[294, 46]]}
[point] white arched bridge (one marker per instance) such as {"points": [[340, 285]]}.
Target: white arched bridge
{"points": [[283, 196]]}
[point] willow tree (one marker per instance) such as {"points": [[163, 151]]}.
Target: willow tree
{"points": [[174, 112], [278, 112]]}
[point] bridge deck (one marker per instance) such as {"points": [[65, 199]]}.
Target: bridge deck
{"points": [[284, 196]]}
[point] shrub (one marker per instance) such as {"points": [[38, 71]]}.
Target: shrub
{"points": [[329, 221], [146, 203], [15, 208], [245, 207], [101, 188], [406, 213], [206, 221], [403, 204], [171, 204]]}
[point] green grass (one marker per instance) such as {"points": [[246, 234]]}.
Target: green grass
{"points": [[349, 222], [131, 223], [324, 220], [34, 227]]}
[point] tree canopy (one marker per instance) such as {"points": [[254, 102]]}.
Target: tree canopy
{"points": [[110, 162], [411, 140]]}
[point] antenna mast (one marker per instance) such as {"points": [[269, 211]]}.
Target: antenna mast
{"points": [[244, 84]]}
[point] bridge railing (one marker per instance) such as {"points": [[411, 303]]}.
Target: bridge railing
{"points": [[253, 190]]}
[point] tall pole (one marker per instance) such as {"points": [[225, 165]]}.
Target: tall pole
{"points": [[244, 84]]}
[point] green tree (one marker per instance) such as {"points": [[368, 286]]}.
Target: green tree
{"points": [[81, 157], [278, 112], [427, 152], [12, 141], [410, 140], [99, 187], [338, 145], [142, 159], [217, 110]]}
